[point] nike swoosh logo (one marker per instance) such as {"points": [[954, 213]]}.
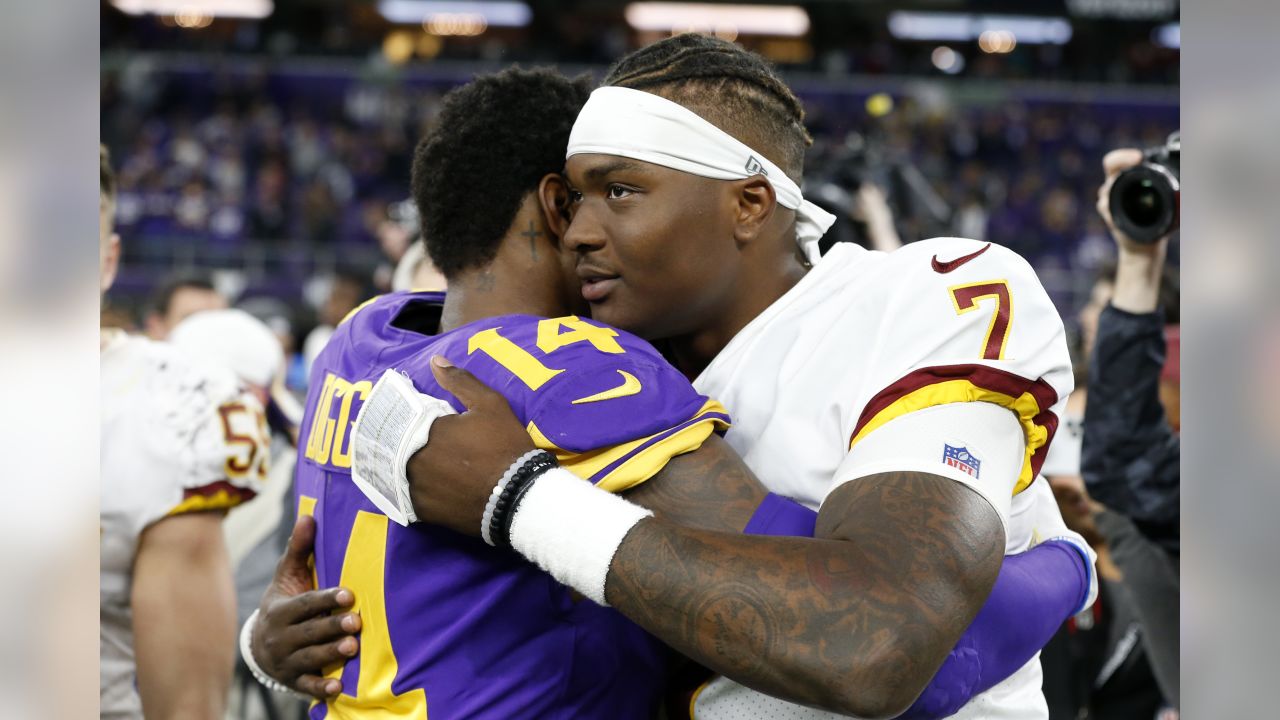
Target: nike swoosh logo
{"points": [[946, 267], [630, 386]]}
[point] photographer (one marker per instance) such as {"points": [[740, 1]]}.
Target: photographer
{"points": [[1130, 453]]}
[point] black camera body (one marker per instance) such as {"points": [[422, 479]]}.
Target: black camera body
{"points": [[1146, 200]]}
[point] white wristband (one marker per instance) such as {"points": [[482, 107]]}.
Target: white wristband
{"points": [[246, 652], [571, 529]]}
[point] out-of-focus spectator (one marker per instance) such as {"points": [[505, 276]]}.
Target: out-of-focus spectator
{"points": [[347, 290], [416, 271], [1098, 666], [237, 340], [176, 300], [1100, 293]]}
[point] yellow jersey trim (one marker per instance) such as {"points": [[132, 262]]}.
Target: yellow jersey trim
{"points": [[358, 308], [1024, 406], [693, 699], [222, 499], [648, 455]]}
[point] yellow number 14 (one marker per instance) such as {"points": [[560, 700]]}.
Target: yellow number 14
{"points": [[525, 366]]}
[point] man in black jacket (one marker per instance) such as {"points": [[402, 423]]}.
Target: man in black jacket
{"points": [[1131, 452]]}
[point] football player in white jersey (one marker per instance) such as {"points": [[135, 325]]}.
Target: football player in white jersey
{"points": [[181, 443], [909, 396]]}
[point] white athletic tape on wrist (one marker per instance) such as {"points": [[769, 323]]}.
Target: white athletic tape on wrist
{"points": [[642, 126], [571, 529], [393, 424], [246, 652]]}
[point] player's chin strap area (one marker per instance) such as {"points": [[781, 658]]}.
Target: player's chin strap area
{"points": [[642, 126]]}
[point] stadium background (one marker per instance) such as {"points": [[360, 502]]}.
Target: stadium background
{"points": [[268, 144]]}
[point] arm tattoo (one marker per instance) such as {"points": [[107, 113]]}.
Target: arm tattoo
{"points": [[710, 488], [856, 620]]}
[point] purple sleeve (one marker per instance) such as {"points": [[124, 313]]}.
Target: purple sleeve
{"points": [[603, 400], [783, 517], [1034, 594]]}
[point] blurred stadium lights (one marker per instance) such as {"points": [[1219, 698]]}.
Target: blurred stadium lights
{"points": [[881, 104], [997, 41], [1168, 35], [965, 27], [465, 24], [398, 47], [726, 21], [1123, 9], [191, 13], [499, 13], [947, 60]]}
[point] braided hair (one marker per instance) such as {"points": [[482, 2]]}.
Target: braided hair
{"points": [[734, 88]]}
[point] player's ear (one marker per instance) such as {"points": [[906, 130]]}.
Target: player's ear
{"points": [[755, 202], [553, 193]]}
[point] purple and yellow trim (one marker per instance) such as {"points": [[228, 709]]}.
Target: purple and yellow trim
{"points": [[622, 467]]}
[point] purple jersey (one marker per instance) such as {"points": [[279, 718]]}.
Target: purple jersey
{"points": [[450, 624]]}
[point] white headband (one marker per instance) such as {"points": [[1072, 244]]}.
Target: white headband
{"points": [[642, 126]]}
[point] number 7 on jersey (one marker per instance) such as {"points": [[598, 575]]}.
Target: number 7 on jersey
{"points": [[965, 299]]}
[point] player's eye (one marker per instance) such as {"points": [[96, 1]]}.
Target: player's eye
{"points": [[618, 192], [575, 197]]}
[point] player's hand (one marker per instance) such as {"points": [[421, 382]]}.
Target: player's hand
{"points": [[300, 631], [1116, 162], [451, 477]]}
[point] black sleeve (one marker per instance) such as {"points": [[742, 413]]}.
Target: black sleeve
{"points": [[1151, 580], [1130, 454]]}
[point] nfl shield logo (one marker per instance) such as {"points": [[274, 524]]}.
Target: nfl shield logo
{"points": [[961, 459]]}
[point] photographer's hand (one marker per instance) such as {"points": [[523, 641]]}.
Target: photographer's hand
{"points": [[1139, 266], [872, 207]]}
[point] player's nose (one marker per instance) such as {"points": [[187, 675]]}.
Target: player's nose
{"points": [[585, 232]]}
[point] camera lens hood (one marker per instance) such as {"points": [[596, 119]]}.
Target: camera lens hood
{"points": [[1144, 202]]}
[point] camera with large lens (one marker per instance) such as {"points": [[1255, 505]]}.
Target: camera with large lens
{"points": [[1145, 200]]}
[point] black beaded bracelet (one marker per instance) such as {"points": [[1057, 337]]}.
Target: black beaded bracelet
{"points": [[518, 495], [504, 509]]}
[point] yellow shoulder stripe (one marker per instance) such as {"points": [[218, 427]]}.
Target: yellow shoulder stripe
{"points": [[621, 467], [1024, 406]]}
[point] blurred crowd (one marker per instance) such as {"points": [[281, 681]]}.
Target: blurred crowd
{"points": [[844, 38], [282, 183]]}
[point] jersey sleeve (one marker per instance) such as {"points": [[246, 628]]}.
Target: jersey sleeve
{"points": [[965, 322], [229, 457], [209, 439], [604, 401]]}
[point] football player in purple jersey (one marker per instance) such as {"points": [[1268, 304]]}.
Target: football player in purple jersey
{"points": [[450, 624]]}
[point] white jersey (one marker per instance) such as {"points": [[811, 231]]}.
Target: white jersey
{"points": [[866, 338], [177, 437]]}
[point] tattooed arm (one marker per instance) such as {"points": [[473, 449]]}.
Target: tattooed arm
{"points": [[710, 489], [856, 621]]}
